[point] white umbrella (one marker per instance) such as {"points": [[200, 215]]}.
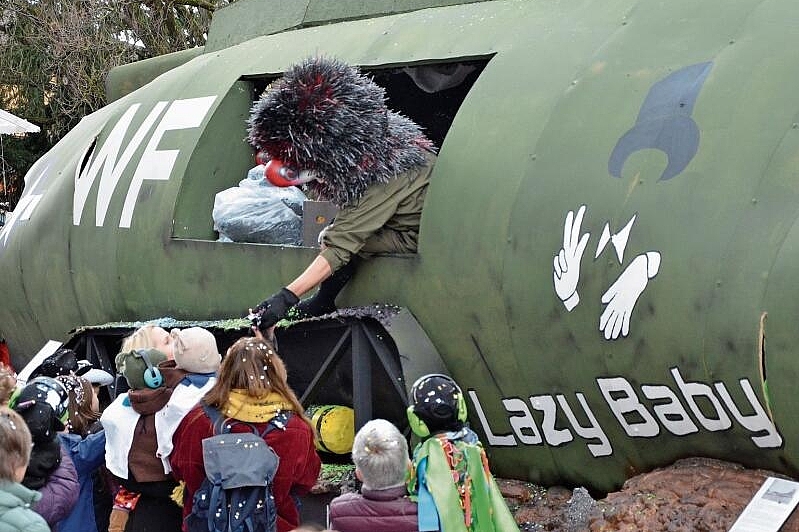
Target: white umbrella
{"points": [[12, 125]]}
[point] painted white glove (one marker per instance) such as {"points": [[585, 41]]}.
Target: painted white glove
{"points": [[566, 265], [622, 295]]}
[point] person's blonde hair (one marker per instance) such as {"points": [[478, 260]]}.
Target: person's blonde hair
{"points": [[254, 366], [15, 443], [138, 339], [8, 382]]}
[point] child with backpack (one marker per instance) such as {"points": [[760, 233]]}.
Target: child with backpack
{"points": [[451, 480], [251, 397]]}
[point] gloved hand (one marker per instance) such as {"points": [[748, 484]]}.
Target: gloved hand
{"points": [[273, 309]]}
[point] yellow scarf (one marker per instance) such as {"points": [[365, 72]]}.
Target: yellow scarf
{"points": [[254, 409]]}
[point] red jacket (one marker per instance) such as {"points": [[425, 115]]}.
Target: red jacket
{"points": [[296, 475]]}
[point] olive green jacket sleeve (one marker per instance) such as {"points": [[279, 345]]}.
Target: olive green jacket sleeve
{"points": [[395, 206]]}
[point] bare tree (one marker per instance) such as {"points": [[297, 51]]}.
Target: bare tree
{"points": [[55, 54]]}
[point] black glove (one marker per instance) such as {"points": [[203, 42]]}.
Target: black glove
{"points": [[273, 309]]}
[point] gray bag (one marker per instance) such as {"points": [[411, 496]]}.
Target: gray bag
{"points": [[236, 495]]}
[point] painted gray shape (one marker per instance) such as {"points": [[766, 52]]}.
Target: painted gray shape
{"points": [[664, 122]]}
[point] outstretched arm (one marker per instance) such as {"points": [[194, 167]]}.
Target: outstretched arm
{"points": [[315, 273], [274, 309]]}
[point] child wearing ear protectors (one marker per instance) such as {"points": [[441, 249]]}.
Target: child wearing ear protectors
{"points": [[142, 501], [451, 480]]}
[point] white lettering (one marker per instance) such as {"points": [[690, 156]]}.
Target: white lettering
{"points": [[553, 435], [28, 202], [638, 419], [506, 440], [621, 405], [592, 431], [756, 423], [672, 415], [108, 183], [692, 390], [158, 164], [106, 158], [522, 423]]}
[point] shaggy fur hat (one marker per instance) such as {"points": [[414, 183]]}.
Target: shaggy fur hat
{"points": [[325, 116], [132, 366], [195, 350]]}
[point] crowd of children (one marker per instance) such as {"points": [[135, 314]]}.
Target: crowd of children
{"points": [[154, 459]]}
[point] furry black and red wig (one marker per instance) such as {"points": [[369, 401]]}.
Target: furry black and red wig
{"points": [[326, 116]]}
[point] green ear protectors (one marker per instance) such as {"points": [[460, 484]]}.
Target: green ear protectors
{"points": [[424, 391], [152, 375]]}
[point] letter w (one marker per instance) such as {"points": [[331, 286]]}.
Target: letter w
{"points": [[112, 165]]}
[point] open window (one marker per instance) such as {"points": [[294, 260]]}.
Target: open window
{"points": [[430, 94]]}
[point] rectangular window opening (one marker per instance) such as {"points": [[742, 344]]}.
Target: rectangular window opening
{"points": [[429, 93]]}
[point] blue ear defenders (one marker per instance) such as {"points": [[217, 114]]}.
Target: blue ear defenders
{"points": [[152, 375], [417, 425]]}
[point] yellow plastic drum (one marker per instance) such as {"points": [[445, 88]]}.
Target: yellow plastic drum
{"points": [[335, 425]]}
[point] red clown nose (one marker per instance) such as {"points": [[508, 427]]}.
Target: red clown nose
{"points": [[281, 175]]}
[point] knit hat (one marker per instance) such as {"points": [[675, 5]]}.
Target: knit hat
{"points": [[43, 403], [132, 365], [436, 400], [195, 350], [62, 362], [326, 117]]}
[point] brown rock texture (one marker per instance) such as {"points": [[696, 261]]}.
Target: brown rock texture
{"points": [[691, 495]]}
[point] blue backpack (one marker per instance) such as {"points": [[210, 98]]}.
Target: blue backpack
{"points": [[236, 494]]}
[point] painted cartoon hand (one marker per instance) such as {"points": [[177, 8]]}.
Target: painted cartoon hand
{"points": [[566, 265], [624, 293]]}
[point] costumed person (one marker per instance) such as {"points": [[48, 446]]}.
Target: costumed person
{"points": [[43, 404], [15, 499], [143, 502], [86, 450], [326, 124], [450, 479], [380, 455], [252, 392]]}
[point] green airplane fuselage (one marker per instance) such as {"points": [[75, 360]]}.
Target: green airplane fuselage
{"points": [[611, 217]]}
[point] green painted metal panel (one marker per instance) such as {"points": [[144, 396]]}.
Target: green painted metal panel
{"points": [[673, 124], [125, 79], [246, 19]]}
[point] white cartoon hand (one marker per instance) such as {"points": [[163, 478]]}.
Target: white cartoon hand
{"points": [[566, 265], [623, 294]]}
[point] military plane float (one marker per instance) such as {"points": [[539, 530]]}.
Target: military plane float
{"points": [[609, 238]]}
